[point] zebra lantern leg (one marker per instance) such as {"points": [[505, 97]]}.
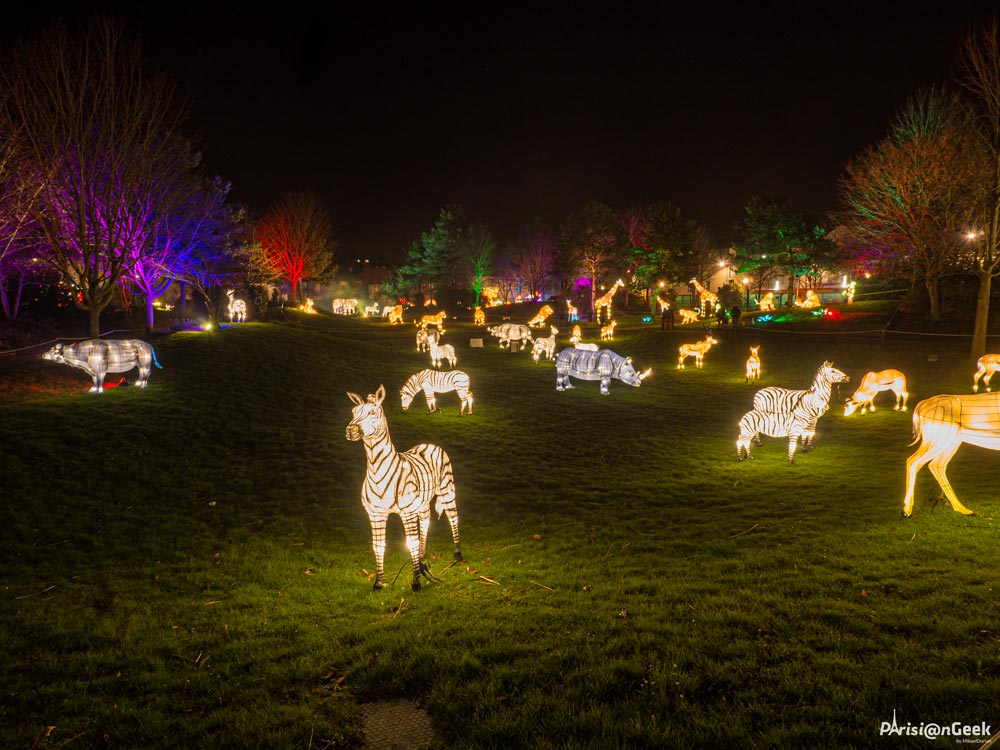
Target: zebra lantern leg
{"points": [[378, 545]]}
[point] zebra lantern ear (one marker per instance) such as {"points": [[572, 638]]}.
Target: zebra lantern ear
{"points": [[380, 394], [355, 398]]}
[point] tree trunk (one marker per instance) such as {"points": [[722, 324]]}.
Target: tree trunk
{"points": [[149, 315], [934, 296], [792, 291], [95, 322], [980, 328], [182, 304]]}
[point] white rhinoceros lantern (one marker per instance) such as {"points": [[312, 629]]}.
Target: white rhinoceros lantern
{"points": [[602, 365]]}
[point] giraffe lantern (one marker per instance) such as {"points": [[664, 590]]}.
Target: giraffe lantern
{"points": [[604, 301], [708, 299]]}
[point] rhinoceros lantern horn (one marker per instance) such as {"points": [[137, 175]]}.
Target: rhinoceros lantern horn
{"points": [[646, 373]]}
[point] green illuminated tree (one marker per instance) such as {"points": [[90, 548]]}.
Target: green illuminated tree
{"points": [[479, 245], [660, 247]]}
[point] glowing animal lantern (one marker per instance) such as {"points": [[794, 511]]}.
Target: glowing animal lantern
{"points": [[793, 425], [572, 313], [401, 483], [602, 364], [431, 382], [604, 301], [439, 352], [708, 299], [546, 346], [664, 304], [576, 334], [479, 317], [810, 301], [942, 424], [608, 331], [696, 350], [436, 319], [539, 320], [371, 311], [766, 303], [508, 332], [237, 308], [753, 365], [985, 367], [585, 347], [309, 306], [345, 306], [423, 340], [396, 315], [97, 358], [849, 292], [872, 384], [687, 316]]}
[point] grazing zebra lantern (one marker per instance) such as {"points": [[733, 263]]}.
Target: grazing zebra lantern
{"points": [[766, 303], [237, 308], [431, 382], [602, 364], [608, 331], [401, 483], [815, 402], [440, 352], [874, 383], [753, 365], [98, 357], [985, 366], [546, 346], [687, 316], [941, 424], [604, 301], [479, 317], [539, 320], [697, 350]]}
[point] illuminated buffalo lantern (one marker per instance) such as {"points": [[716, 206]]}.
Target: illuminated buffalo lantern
{"points": [[708, 299], [440, 352], [696, 350], [810, 301], [396, 315], [604, 301], [97, 358], [766, 303], [237, 308], [546, 346], [572, 314], [401, 483], [539, 320], [874, 383], [608, 331], [437, 319], [815, 401], [687, 316], [985, 367], [508, 332], [602, 364], [942, 424], [753, 364], [479, 317], [433, 381]]}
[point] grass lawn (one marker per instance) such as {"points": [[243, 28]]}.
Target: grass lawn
{"points": [[190, 566]]}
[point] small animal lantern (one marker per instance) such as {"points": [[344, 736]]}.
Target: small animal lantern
{"points": [[546, 346], [874, 383], [396, 315], [237, 308], [810, 301], [849, 292], [308, 306], [766, 303], [539, 320], [479, 317], [575, 335], [696, 350], [608, 331], [571, 312], [985, 366], [753, 365], [687, 316]]}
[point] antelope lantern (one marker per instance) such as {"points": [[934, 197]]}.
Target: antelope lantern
{"points": [[696, 350], [874, 383], [985, 367], [753, 365]]}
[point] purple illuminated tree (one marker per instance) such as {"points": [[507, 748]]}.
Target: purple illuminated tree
{"points": [[101, 139], [533, 255], [593, 241]]}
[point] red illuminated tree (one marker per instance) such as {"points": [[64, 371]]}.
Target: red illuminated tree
{"points": [[296, 237]]}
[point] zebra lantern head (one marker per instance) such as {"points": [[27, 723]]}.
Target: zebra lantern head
{"points": [[368, 416]]}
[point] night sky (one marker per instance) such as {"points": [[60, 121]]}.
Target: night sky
{"points": [[387, 114]]}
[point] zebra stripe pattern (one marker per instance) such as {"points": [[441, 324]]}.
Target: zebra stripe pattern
{"points": [[440, 352], [433, 381], [816, 400], [793, 425], [401, 483]]}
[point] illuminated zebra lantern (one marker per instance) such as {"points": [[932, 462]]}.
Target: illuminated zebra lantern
{"points": [[97, 358], [753, 364], [433, 381], [793, 425], [874, 383], [941, 424], [604, 301], [815, 401], [696, 350], [602, 365], [237, 308], [546, 346], [345, 306], [401, 483], [440, 352], [985, 367]]}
